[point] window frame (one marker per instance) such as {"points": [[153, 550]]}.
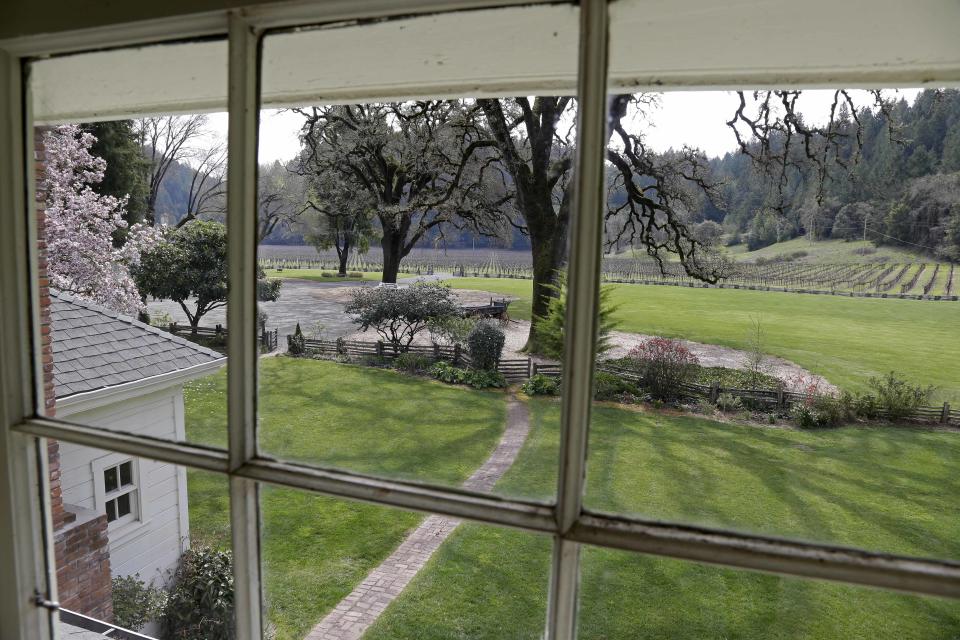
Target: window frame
{"points": [[23, 444], [121, 526]]}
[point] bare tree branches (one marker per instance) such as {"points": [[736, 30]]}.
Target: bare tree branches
{"points": [[661, 191], [784, 147], [166, 140]]}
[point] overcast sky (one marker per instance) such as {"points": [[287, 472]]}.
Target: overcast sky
{"points": [[695, 118]]}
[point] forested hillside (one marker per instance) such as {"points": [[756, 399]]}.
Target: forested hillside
{"points": [[903, 189]]}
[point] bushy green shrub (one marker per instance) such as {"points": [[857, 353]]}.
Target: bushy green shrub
{"points": [[541, 385], [296, 344], [609, 386], [200, 603], [820, 412], [450, 330], [354, 274], [135, 603], [412, 362], [897, 398], [729, 402], [485, 343], [476, 378], [665, 364]]}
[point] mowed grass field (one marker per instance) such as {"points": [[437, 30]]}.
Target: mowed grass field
{"points": [[316, 549], [883, 488], [847, 340], [317, 275]]}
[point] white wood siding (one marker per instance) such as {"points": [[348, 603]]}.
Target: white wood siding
{"points": [[152, 546]]}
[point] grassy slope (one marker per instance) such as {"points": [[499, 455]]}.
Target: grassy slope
{"points": [[827, 251], [315, 548], [882, 488], [845, 339]]}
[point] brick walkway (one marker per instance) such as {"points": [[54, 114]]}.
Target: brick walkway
{"points": [[354, 614]]}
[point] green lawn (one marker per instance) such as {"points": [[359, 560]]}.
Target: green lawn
{"points": [[317, 275], [827, 251], [886, 488], [847, 340], [317, 549]]}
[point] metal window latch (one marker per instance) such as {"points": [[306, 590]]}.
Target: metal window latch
{"points": [[41, 601]]}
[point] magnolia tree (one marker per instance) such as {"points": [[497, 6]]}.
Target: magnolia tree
{"points": [[80, 225]]}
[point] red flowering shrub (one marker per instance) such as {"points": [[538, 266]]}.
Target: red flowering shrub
{"points": [[664, 365]]}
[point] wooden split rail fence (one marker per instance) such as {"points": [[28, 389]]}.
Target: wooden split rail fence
{"points": [[268, 340]]}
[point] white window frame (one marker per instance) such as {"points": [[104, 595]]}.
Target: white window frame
{"points": [[122, 527], [27, 599]]}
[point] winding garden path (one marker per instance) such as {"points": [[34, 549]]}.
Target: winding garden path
{"points": [[350, 619]]}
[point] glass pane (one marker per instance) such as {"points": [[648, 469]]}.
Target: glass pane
{"points": [[725, 398], [347, 569], [404, 218], [176, 550], [110, 479], [126, 473], [123, 505], [132, 243], [626, 595]]}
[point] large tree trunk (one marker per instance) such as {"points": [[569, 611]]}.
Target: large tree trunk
{"points": [[344, 254], [392, 245], [548, 245]]}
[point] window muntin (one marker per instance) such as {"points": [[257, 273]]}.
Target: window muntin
{"points": [[147, 446]]}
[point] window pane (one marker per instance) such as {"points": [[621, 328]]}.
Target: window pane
{"points": [[132, 256], [123, 505], [169, 539], [110, 479], [126, 473], [627, 595], [727, 399], [398, 220], [350, 569]]}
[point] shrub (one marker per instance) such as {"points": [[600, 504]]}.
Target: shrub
{"points": [[729, 402], [200, 604], [412, 362], [664, 365], [296, 344], [541, 385], [609, 386], [354, 274], [485, 379], [485, 343], [549, 335], [400, 314], [896, 397], [478, 379], [160, 319], [822, 411], [135, 603], [450, 329]]}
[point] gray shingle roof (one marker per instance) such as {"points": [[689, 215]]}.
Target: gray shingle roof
{"points": [[94, 348]]}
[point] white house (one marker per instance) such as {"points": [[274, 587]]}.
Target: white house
{"points": [[114, 372]]}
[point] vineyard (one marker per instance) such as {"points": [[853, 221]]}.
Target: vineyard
{"points": [[928, 280]]}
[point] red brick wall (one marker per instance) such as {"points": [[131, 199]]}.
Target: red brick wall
{"points": [[83, 568], [59, 515], [81, 549]]}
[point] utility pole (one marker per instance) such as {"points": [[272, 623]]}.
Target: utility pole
{"points": [[865, 218]]}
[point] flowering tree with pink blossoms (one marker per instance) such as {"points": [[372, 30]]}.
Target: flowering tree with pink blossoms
{"points": [[80, 224]]}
